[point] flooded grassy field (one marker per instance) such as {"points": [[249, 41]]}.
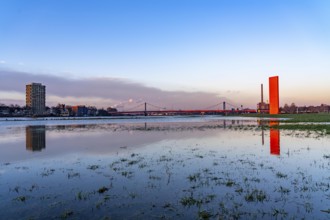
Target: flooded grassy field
{"points": [[183, 168]]}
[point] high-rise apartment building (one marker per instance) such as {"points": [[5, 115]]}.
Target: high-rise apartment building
{"points": [[36, 98]]}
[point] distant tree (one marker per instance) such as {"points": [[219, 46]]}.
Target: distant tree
{"points": [[286, 108], [293, 108], [110, 109], [102, 112]]}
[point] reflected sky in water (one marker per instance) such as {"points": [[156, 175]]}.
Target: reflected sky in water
{"points": [[175, 169]]}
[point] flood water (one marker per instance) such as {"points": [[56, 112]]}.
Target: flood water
{"points": [[161, 168]]}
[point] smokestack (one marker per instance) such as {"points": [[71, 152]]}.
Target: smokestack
{"points": [[262, 93]]}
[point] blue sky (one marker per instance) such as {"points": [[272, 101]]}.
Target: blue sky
{"points": [[223, 47]]}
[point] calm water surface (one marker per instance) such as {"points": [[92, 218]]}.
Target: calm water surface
{"points": [[161, 168]]}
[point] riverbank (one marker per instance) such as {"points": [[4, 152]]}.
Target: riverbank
{"points": [[310, 122], [296, 118]]}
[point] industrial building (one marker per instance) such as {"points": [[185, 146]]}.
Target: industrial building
{"points": [[274, 98], [262, 106]]}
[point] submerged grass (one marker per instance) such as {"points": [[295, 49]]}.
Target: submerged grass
{"points": [[324, 128], [235, 181], [66, 214], [93, 167], [20, 199], [255, 196], [102, 189], [326, 156], [281, 175], [326, 211], [204, 214], [188, 201]]}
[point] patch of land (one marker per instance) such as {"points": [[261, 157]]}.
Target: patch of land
{"points": [[308, 122]]}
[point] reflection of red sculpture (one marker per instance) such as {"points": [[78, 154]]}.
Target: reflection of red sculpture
{"points": [[274, 139], [274, 100]]}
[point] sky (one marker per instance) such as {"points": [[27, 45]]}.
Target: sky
{"points": [[171, 53]]}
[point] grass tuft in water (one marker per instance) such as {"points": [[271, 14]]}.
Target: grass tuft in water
{"points": [[204, 215], [283, 190], [194, 177], [81, 196], [326, 156], [277, 212], [255, 196], [47, 172], [281, 175], [102, 189], [93, 167], [66, 214], [20, 199], [72, 175], [188, 201], [230, 183]]}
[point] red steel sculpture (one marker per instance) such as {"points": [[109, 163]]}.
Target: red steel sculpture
{"points": [[274, 100]]}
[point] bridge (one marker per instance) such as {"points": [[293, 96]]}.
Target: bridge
{"points": [[148, 109]]}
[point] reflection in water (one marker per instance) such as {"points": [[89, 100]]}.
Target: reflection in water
{"points": [[275, 141], [274, 136], [172, 170], [35, 138]]}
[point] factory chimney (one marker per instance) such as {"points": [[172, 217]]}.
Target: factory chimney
{"points": [[262, 93]]}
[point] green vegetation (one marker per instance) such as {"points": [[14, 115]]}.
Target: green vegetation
{"points": [[81, 196], [281, 212], [305, 122], [324, 128], [321, 117], [294, 118], [93, 167], [103, 189], [255, 196], [47, 172], [326, 156], [194, 177], [283, 190], [66, 214], [20, 199], [204, 215], [188, 201], [281, 175], [230, 183]]}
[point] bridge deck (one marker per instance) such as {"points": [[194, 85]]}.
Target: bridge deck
{"points": [[185, 112]]}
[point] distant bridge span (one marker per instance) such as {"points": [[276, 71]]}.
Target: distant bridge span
{"points": [[185, 112], [204, 111]]}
